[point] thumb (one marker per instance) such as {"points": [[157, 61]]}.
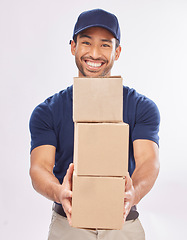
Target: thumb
{"points": [[128, 182], [70, 172]]}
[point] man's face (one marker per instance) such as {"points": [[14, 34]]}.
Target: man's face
{"points": [[95, 52]]}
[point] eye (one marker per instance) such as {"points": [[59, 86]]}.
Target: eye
{"points": [[86, 43], [105, 45]]}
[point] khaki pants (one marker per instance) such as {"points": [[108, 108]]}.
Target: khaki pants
{"points": [[61, 230]]}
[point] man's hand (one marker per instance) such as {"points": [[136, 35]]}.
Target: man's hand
{"points": [[44, 181], [144, 175], [65, 195], [129, 196]]}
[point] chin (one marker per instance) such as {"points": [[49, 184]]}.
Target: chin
{"points": [[96, 74]]}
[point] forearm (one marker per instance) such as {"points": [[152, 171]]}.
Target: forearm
{"points": [[41, 172], [45, 183], [146, 156], [144, 178]]}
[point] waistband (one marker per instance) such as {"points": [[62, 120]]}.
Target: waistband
{"points": [[133, 214]]}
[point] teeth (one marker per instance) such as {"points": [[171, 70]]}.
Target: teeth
{"points": [[93, 64]]}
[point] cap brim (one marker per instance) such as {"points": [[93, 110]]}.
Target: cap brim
{"points": [[95, 25]]}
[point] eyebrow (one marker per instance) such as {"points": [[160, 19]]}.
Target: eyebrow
{"points": [[87, 36], [84, 36], [106, 40]]}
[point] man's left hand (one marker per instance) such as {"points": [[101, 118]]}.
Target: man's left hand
{"points": [[129, 196]]}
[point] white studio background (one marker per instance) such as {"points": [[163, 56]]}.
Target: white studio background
{"points": [[35, 62]]}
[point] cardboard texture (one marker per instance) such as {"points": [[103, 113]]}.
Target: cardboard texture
{"points": [[101, 149], [100, 153], [98, 202], [98, 99]]}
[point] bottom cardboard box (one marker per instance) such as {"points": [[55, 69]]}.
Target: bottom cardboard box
{"points": [[98, 202]]}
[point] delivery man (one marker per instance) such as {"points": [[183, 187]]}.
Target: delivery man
{"points": [[96, 46]]}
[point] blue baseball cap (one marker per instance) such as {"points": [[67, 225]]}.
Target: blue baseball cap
{"points": [[97, 18]]}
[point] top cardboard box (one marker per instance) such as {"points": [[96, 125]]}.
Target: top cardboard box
{"points": [[98, 99]]}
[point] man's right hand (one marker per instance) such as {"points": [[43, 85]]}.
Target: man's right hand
{"points": [[65, 195], [44, 181]]}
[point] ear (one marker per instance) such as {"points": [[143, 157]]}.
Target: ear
{"points": [[117, 53], [73, 47]]}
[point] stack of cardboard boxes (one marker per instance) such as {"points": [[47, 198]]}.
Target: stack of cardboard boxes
{"points": [[100, 153]]}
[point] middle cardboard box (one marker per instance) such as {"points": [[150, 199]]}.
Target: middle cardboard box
{"points": [[101, 149]]}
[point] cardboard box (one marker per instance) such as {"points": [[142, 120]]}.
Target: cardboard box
{"points": [[98, 99], [98, 202], [101, 149]]}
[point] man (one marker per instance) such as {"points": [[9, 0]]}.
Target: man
{"points": [[95, 45]]}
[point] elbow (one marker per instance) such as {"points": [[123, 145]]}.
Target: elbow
{"points": [[32, 174], [155, 166]]}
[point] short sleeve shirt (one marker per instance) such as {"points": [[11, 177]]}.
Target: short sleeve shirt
{"points": [[51, 123]]}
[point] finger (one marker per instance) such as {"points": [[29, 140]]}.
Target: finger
{"points": [[126, 212], [67, 194], [126, 206], [67, 181], [128, 179], [127, 196], [125, 215], [70, 172], [128, 183], [67, 207], [69, 218]]}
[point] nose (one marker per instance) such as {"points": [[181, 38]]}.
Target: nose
{"points": [[95, 52]]}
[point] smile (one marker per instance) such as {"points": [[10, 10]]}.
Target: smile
{"points": [[93, 64]]}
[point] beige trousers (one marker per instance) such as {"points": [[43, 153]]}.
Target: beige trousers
{"points": [[61, 230]]}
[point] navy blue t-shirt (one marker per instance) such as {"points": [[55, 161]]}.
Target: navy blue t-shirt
{"points": [[51, 123]]}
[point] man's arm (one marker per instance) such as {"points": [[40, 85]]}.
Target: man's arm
{"points": [[44, 181], [144, 175]]}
